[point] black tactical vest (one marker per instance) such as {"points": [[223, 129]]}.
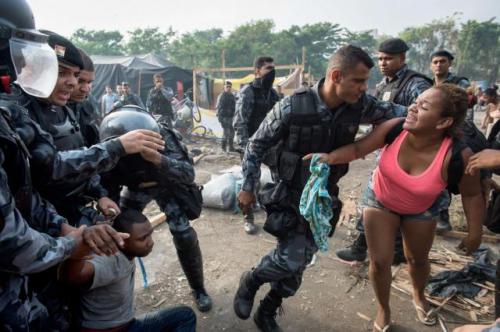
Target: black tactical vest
{"points": [[227, 105], [309, 133], [263, 102], [16, 165], [390, 92], [67, 135]]}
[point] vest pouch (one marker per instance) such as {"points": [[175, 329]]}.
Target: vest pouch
{"points": [[190, 199], [281, 216], [288, 164]]}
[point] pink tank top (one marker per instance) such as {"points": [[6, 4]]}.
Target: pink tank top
{"points": [[404, 193]]}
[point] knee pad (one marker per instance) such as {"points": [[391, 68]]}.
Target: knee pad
{"points": [[185, 240]]}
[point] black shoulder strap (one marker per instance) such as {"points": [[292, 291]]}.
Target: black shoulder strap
{"points": [[457, 79], [303, 101], [408, 76], [393, 133], [456, 166]]}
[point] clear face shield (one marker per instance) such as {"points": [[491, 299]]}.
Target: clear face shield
{"points": [[35, 62]]}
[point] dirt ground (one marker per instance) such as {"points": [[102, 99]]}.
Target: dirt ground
{"points": [[334, 296]]}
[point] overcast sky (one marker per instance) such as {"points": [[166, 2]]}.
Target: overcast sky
{"points": [[387, 16]]}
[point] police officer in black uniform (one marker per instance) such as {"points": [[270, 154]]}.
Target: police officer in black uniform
{"points": [[84, 104], [71, 198], [226, 104], [27, 221], [402, 86], [255, 100], [165, 177], [322, 118]]}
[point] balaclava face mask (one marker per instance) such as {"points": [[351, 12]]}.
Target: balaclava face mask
{"points": [[268, 79]]}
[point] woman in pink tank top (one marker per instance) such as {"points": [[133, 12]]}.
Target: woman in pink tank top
{"points": [[405, 191]]}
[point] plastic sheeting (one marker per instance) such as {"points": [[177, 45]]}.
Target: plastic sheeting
{"points": [[446, 283]]}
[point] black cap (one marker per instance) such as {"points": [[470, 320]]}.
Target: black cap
{"points": [[65, 50], [393, 46], [125, 83], [443, 53]]}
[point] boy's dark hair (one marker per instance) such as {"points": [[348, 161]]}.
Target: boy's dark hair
{"points": [[88, 64], [347, 58], [127, 218], [261, 61]]}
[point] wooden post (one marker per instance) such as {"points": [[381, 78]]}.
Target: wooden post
{"points": [[303, 58], [139, 84], [223, 56], [497, 291], [194, 85]]}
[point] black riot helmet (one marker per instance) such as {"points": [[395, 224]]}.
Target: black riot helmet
{"points": [[120, 121], [124, 119], [25, 55]]}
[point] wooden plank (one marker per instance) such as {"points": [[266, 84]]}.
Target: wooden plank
{"points": [[157, 220], [198, 158], [230, 69], [461, 235]]}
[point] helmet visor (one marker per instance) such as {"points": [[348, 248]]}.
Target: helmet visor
{"points": [[35, 65]]}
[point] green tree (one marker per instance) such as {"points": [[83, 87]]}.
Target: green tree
{"points": [[197, 49], [367, 41], [479, 45], [148, 40], [249, 41], [98, 42], [320, 41], [423, 40]]}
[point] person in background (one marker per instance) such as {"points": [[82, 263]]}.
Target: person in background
{"points": [[130, 98], [108, 100], [159, 101], [226, 103]]}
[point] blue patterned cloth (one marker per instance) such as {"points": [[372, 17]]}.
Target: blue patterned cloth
{"points": [[316, 203]]}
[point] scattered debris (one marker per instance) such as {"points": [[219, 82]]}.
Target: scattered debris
{"points": [[478, 309]]}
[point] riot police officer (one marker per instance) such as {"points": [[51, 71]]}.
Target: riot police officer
{"points": [[226, 103], [402, 86], [165, 177], [24, 249], [84, 104], [441, 61], [321, 118], [255, 100]]}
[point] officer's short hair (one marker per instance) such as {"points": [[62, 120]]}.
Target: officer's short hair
{"points": [[127, 218], [261, 61], [155, 76], [347, 58], [88, 64]]}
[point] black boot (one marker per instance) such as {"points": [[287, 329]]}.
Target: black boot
{"points": [[443, 223], [231, 146], [399, 254], [265, 316], [223, 144], [356, 251], [243, 300], [189, 253]]}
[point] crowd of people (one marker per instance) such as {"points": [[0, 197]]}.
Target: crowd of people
{"points": [[76, 175]]}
